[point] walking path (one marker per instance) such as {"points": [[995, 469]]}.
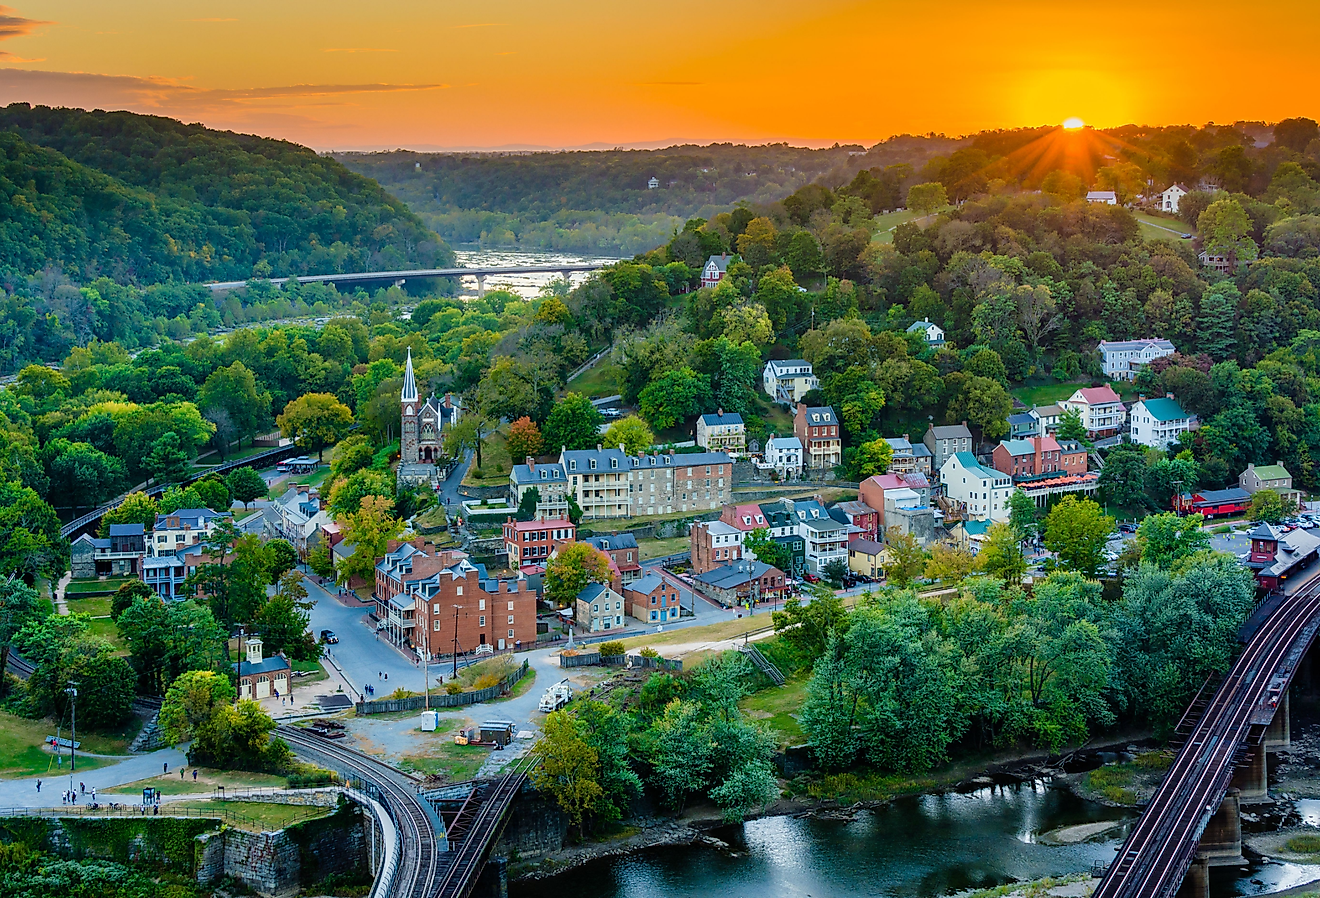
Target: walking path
{"points": [[22, 793], [61, 605]]}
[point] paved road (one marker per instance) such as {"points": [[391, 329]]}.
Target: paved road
{"points": [[359, 653], [22, 793]]}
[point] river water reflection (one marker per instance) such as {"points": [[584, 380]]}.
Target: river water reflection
{"points": [[927, 845]]}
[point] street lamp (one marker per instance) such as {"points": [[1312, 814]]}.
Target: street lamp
{"points": [[72, 693]]}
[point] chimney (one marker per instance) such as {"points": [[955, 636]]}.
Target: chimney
{"points": [[1141, 397], [531, 465], [1168, 395], [599, 447], [1036, 444], [719, 412]]}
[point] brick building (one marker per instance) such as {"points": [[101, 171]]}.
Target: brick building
{"points": [[652, 600], [713, 544], [532, 542]]}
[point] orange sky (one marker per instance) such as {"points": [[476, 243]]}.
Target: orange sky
{"points": [[463, 73]]}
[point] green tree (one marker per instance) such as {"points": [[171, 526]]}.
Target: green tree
{"points": [[570, 769], [907, 560], [81, 474], [191, 700], [1071, 425], [19, 606], [167, 461], [873, 458], [835, 571], [126, 594], [926, 198], [320, 560], [282, 621], [280, 557], [1001, 554], [1022, 514], [239, 737], [370, 529], [527, 504], [1270, 507], [352, 454], [62, 650], [981, 402], [31, 545], [315, 420], [214, 493], [679, 749], [571, 568], [1216, 322], [247, 485], [346, 495], [165, 639], [1077, 530], [573, 423], [1225, 230], [804, 628], [1123, 479], [233, 389], [1166, 539], [631, 433], [775, 554]]}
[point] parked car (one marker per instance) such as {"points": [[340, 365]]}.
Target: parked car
{"points": [[329, 637], [1127, 527]]}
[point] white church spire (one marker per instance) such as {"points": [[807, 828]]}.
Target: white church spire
{"points": [[409, 382]]}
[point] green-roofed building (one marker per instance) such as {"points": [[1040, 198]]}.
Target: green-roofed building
{"points": [[1269, 477], [1159, 422]]}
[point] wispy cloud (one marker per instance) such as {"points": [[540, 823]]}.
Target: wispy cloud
{"points": [[13, 25], [357, 50]]}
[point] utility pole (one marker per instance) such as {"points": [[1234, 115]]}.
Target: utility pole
{"points": [[72, 693], [426, 672], [456, 607]]}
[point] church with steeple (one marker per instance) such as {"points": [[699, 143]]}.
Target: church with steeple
{"points": [[424, 423]]}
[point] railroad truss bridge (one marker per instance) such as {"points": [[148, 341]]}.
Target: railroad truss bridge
{"points": [[1192, 822]]}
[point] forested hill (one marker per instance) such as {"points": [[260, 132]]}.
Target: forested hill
{"points": [[599, 201], [144, 199]]}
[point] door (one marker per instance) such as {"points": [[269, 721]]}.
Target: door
{"points": [[501, 645]]}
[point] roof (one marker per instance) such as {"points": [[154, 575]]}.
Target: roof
{"points": [[969, 463], [551, 473], [719, 528], [922, 325], [521, 526], [866, 547], [1164, 409], [976, 528], [1262, 531], [735, 574], [784, 443], [613, 542], [1271, 472], [1046, 411], [919, 450], [1018, 447], [1097, 395], [1129, 345], [126, 530], [855, 507], [266, 665], [899, 444], [1174, 187], [591, 591], [646, 585], [582, 458], [409, 392], [721, 261], [711, 418], [1022, 418], [1101, 195], [1294, 548], [192, 517], [779, 365], [818, 414], [1211, 497], [690, 459], [1070, 446], [951, 432]]}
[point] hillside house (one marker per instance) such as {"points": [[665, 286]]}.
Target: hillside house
{"points": [[1122, 359], [1269, 477], [977, 491], [715, 269], [786, 382], [931, 332], [1170, 197], [946, 441], [1159, 422], [1103, 197], [1102, 412], [818, 429], [722, 432]]}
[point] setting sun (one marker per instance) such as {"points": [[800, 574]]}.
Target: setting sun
{"points": [[1073, 124]]}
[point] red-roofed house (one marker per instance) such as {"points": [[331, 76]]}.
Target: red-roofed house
{"points": [[1102, 411], [532, 542], [745, 517]]}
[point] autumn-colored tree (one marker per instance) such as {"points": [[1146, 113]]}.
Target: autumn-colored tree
{"points": [[631, 433], [524, 439], [370, 529], [572, 568]]}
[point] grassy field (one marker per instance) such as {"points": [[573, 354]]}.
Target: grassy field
{"points": [[1044, 394], [315, 673], [255, 816], [601, 379], [105, 587], [658, 548], [519, 688], [495, 463], [96, 607], [206, 782], [1160, 227], [106, 629], [459, 762], [885, 224], [21, 754], [775, 707], [709, 633]]}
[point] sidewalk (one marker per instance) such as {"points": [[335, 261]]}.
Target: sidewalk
{"points": [[22, 793]]}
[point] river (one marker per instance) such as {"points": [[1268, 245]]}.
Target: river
{"points": [[525, 285], [914, 847]]}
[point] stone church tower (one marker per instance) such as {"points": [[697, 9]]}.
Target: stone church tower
{"points": [[408, 449]]}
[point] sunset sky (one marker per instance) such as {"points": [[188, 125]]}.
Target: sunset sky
{"points": [[432, 74]]}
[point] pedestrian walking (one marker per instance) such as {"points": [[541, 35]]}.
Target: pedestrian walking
{"points": [[93, 793], [38, 785], [180, 773], [387, 675], [166, 768], [194, 774], [82, 787]]}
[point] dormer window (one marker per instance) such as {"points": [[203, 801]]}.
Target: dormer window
{"points": [[572, 464], [614, 462], [593, 464], [543, 475]]}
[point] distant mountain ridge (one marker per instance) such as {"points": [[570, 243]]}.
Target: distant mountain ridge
{"points": [[145, 199]]}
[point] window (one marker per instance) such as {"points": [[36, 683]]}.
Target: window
{"points": [[510, 618], [510, 634], [458, 591], [510, 606], [435, 609], [481, 604], [436, 626], [481, 621]]}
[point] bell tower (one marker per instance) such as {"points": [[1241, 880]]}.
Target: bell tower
{"points": [[408, 453]]}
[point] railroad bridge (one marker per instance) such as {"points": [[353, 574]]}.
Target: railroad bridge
{"points": [[1192, 822], [437, 842], [398, 278]]}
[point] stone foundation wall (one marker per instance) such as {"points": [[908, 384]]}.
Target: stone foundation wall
{"points": [[536, 827]]}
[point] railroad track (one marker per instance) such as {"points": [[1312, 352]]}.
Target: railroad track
{"points": [[1157, 853], [466, 858], [419, 864]]}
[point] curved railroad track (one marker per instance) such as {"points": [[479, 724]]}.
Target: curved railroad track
{"points": [[465, 860], [419, 865], [1157, 853]]}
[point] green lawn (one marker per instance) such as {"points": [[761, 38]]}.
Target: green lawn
{"points": [[601, 379], [77, 588], [658, 548], [1159, 227], [459, 762], [207, 781], [256, 816], [495, 463], [775, 707], [885, 224], [106, 629], [96, 607], [21, 754], [519, 688], [1044, 394]]}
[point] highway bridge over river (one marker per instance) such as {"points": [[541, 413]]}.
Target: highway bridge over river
{"points": [[367, 278], [1192, 821]]}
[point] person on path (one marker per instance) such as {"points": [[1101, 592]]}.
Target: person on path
{"points": [[93, 793], [180, 773], [82, 787], [194, 774], [38, 785], [167, 767]]}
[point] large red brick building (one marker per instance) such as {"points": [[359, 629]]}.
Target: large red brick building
{"points": [[429, 600], [532, 542]]}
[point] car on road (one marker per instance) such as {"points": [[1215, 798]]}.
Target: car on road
{"points": [[329, 637], [1185, 236], [1127, 527]]}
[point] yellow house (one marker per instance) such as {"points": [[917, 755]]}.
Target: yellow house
{"points": [[868, 558]]}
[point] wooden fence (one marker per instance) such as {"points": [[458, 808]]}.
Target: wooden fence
{"points": [[635, 661], [457, 700]]}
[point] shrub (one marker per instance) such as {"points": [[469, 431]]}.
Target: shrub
{"points": [[611, 649], [1306, 843], [401, 693], [649, 652], [452, 688]]}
